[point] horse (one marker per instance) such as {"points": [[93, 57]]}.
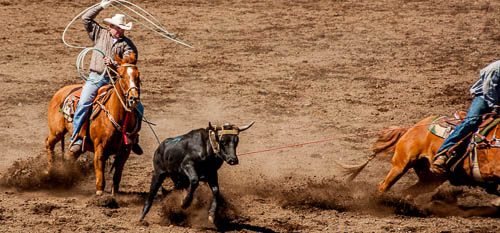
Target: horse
{"points": [[415, 147], [106, 134]]}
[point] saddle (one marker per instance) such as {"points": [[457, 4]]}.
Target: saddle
{"points": [[443, 126], [68, 106], [467, 148]]}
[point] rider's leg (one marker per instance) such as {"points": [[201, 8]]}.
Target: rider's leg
{"points": [[89, 92], [469, 124], [135, 147]]}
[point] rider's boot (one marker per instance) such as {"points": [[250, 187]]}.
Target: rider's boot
{"points": [[76, 146], [136, 148], [438, 166]]}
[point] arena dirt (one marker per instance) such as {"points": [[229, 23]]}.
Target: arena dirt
{"points": [[304, 70]]}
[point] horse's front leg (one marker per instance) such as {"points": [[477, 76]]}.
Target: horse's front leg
{"points": [[119, 163], [214, 186], [99, 166], [193, 184]]}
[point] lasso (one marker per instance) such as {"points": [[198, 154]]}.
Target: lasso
{"points": [[160, 31]]}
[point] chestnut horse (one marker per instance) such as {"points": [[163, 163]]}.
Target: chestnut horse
{"points": [[415, 148], [106, 133]]}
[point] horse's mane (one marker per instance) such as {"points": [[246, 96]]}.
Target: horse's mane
{"points": [[130, 59]]}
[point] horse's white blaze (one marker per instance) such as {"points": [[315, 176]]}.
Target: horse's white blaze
{"points": [[129, 72]]}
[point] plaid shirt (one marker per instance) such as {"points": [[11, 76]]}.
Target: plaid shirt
{"points": [[104, 41], [488, 84]]}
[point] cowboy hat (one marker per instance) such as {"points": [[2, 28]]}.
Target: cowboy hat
{"points": [[119, 20]]}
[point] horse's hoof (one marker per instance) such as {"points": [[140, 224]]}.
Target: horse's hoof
{"points": [[496, 202], [98, 193], [114, 193], [211, 219]]}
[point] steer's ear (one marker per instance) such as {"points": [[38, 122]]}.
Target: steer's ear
{"points": [[246, 126]]}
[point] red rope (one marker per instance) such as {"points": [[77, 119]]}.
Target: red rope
{"points": [[341, 137]]}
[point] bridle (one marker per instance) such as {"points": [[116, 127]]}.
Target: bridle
{"points": [[125, 105]]}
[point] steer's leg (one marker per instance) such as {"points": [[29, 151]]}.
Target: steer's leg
{"points": [[156, 182], [214, 186], [193, 184], [119, 164], [99, 166]]}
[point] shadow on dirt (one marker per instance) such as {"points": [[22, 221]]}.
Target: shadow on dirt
{"points": [[31, 173]]}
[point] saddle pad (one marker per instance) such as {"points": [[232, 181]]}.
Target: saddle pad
{"points": [[68, 107], [441, 127]]}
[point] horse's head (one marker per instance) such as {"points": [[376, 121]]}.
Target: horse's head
{"points": [[225, 139], [130, 81]]}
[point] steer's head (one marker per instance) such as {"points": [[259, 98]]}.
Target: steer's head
{"points": [[224, 141]]}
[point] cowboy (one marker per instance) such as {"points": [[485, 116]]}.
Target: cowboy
{"points": [[486, 99], [111, 41]]}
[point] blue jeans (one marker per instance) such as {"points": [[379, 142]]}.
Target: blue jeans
{"points": [[89, 92], [471, 122]]}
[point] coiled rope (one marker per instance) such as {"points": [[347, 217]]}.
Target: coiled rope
{"points": [[162, 31]]}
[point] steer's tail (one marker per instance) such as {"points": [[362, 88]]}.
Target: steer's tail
{"points": [[385, 143]]}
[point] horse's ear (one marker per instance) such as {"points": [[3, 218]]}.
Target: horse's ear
{"points": [[132, 58], [210, 126], [118, 59]]}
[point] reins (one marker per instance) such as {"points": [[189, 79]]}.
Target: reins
{"points": [[114, 86], [162, 31]]}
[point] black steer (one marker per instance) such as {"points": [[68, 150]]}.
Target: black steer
{"points": [[193, 157]]}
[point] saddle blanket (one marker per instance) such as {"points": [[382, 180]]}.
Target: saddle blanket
{"points": [[68, 106]]}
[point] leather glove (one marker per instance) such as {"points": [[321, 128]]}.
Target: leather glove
{"points": [[105, 3]]}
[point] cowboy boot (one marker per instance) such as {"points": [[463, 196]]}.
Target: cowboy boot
{"points": [[76, 145], [438, 166], [136, 148]]}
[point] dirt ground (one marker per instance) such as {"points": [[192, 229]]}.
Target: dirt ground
{"points": [[303, 70]]}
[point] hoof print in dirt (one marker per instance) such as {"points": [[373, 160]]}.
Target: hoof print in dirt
{"points": [[104, 201]]}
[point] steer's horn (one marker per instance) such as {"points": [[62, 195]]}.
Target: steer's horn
{"points": [[246, 126]]}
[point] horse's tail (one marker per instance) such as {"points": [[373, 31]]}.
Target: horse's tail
{"points": [[385, 143]]}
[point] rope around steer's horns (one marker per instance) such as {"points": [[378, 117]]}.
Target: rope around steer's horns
{"points": [[214, 131]]}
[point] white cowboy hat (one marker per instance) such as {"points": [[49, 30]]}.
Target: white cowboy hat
{"points": [[119, 20]]}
